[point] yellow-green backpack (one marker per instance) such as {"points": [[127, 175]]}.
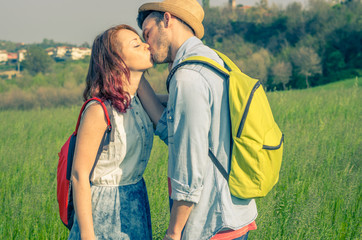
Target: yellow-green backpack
{"points": [[257, 140]]}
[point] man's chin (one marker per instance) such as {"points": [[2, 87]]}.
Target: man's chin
{"points": [[156, 60]]}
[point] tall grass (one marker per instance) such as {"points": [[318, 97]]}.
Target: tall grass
{"points": [[318, 195], [29, 144], [319, 192]]}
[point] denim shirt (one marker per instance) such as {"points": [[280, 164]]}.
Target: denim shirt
{"points": [[125, 159], [196, 119]]}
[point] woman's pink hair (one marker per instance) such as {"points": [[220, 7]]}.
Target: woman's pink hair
{"points": [[108, 73]]}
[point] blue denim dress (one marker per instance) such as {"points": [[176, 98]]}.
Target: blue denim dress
{"points": [[120, 206]]}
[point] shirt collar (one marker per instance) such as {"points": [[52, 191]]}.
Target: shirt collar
{"points": [[184, 49]]}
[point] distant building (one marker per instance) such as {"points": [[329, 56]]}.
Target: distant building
{"points": [[3, 56], [12, 57], [244, 7], [59, 52], [21, 55], [50, 51], [77, 53], [63, 53], [342, 1]]}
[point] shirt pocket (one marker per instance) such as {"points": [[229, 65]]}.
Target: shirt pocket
{"points": [[170, 124]]}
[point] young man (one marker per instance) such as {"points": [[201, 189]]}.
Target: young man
{"points": [[196, 119]]}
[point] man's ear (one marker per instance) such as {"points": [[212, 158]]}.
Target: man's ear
{"points": [[167, 18]]}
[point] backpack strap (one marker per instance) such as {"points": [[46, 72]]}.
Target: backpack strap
{"points": [[107, 108], [109, 126], [218, 165], [207, 62], [230, 64], [213, 65]]}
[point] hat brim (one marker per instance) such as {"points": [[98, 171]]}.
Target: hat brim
{"points": [[182, 14]]}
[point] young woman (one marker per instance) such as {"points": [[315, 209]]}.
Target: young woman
{"points": [[111, 200]]}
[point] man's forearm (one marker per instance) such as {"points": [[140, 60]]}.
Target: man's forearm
{"points": [[180, 212]]}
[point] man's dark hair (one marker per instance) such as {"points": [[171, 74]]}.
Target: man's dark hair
{"points": [[158, 16], [143, 15]]}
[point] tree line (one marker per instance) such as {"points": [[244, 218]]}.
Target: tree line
{"points": [[291, 47], [286, 48]]}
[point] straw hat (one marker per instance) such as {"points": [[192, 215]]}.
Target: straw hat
{"points": [[189, 11]]}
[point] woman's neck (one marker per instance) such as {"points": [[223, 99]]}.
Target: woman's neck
{"points": [[134, 80]]}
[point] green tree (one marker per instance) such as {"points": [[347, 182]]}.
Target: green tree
{"points": [[295, 23], [85, 45], [217, 25], [263, 4], [206, 4], [257, 66], [8, 46], [37, 60], [47, 43], [281, 73], [333, 62], [307, 62]]}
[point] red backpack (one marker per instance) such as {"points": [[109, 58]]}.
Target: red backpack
{"points": [[64, 189]]}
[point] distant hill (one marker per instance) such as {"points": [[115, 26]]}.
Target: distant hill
{"points": [[344, 84]]}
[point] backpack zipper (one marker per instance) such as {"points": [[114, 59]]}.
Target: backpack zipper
{"points": [[266, 147], [243, 119]]}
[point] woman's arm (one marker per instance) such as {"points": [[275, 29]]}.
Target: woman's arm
{"points": [[90, 134], [150, 102]]}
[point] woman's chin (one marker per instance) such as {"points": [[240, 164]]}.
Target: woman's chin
{"points": [[151, 65], [147, 68]]}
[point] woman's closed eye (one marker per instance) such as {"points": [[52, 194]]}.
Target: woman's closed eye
{"points": [[136, 43]]}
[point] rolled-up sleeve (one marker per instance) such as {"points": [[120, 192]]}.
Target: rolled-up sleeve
{"points": [[161, 128], [188, 122]]}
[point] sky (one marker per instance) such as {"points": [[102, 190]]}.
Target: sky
{"points": [[75, 21]]}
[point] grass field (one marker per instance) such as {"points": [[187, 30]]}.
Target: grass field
{"points": [[318, 195]]}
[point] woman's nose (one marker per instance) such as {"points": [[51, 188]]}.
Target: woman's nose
{"points": [[147, 46]]}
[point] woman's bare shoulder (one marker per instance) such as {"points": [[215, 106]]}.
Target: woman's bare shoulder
{"points": [[95, 114]]}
